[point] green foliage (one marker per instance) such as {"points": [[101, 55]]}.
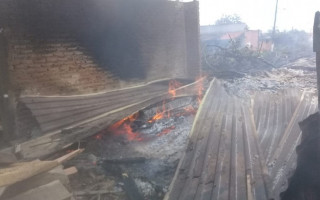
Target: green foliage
{"points": [[229, 19]]}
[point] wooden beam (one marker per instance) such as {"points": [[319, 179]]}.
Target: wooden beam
{"points": [[21, 171], [51, 191], [71, 170], [6, 96], [69, 156], [7, 158]]}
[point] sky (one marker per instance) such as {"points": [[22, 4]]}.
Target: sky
{"points": [[259, 14]]}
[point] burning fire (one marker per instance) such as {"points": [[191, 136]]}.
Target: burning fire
{"points": [[173, 85], [124, 126], [200, 88]]}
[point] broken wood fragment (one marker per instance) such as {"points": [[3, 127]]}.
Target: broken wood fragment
{"points": [[2, 190], [125, 160], [38, 180], [93, 192], [69, 156], [7, 158], [21, 171], [71, 170], [51, 191]]}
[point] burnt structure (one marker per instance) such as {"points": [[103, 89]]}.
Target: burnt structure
{"points": [[80, 47], [72, 47]]}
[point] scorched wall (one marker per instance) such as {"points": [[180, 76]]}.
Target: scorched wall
{"points": [[74, 47]]}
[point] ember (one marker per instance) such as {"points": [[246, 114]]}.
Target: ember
{"points": [[164, 111], [200, 88], [173, 85]]}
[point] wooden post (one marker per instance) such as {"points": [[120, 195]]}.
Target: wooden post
{"points": [[6, 97], [316, 49]]}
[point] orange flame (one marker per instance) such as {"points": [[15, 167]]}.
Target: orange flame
{"points": [[200, 88], [190, 109], [173, 85], [123, 126]]}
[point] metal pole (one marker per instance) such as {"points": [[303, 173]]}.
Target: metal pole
{"points": [[316, 49], [275, 20]]}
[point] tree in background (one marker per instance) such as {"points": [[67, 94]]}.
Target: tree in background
{"points": [[229, 19], [289, 46]]}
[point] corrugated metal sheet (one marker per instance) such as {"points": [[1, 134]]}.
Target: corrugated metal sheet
{"points": [[241, 150]]}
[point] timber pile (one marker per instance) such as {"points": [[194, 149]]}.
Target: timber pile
{"points": [[35, 180], [241, 150]]}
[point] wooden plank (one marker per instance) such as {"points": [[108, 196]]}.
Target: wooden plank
{"points": [[2, 190], [70, 171], [21, 171], [7, 158], [69, 156], [51, 191], [7, 102], [56, 173]]}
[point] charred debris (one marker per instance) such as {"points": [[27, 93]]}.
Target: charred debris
{"points": [[83, 127]]}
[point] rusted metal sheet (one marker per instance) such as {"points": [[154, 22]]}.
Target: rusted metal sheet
{"points": [[241, 150]]}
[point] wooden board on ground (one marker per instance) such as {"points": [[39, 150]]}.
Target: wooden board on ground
{"points": [[70, 171], [21, 171], [51, 191], [36, 181], [7, 158]]}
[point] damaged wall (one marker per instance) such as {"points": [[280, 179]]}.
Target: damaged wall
{"points": [[74, 47]]}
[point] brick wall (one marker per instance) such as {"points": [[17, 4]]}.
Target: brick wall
{"points": [[55, 66], [79, 46]]}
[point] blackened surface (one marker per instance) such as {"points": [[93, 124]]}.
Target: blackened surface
{"points": [[305, 182], [133, 39]]}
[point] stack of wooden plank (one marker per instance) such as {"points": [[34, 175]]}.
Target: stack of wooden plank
{"points": [[35, 180]]}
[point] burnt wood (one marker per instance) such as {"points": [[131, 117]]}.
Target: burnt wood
{"points": [[7, 117]]}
